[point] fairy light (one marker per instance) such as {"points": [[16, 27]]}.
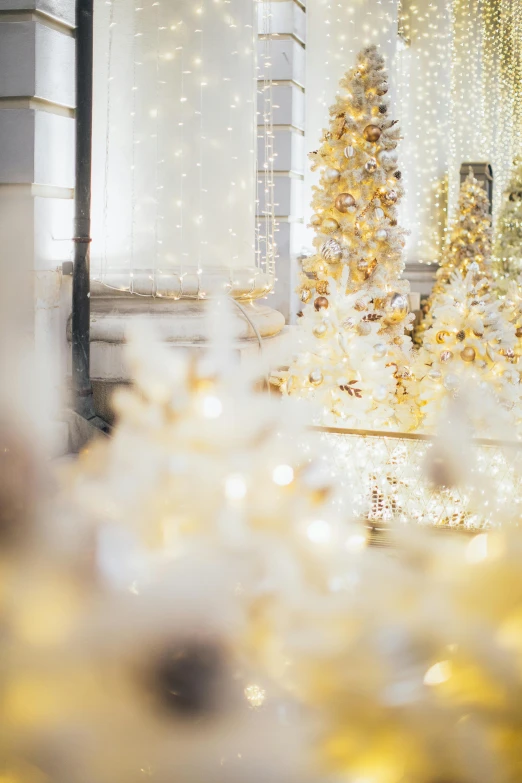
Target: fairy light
{"points": [[235, 486], [255, 695], [192, 86], [438, 674], [283, 475]]}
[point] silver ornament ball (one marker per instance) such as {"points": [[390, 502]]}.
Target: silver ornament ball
{"points": [[331, 251]]}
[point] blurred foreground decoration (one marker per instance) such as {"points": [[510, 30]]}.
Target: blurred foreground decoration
{"points": [[201, 607]]}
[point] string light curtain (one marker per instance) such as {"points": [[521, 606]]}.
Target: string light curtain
{"points": [[183, 147], [460, 97]]}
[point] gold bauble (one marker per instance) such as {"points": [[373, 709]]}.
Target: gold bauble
{"points": [[316, 377], [321, 303], [331, 176], [396, 308], [372, 133], [320, 329], [344, 201], [316, 220], [468, 354], [306, 295], [445, 356], [441, 336], [389, 197], [331, 251], [461, 335], [370, 165], [519, 331], [329, 224]]}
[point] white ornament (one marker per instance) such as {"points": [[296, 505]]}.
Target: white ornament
{"points": [[451, 382], [380, 350], [380, 393], [381, 234], [331, 175], [349, 152], [379, 213]]}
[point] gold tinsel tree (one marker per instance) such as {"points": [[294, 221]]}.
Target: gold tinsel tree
{"points": [[352, 351], [469, 243]]}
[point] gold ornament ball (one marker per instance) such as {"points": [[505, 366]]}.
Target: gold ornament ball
{"points": [[329, 224], [442, 336], [461, 335], [349, 152], [344, 201], [306, 295], [468, 354], [519, 331], [372, 133], [331, 251], [331, 176], [446, 356], [316, 377], [321, 303], [389, 197], [320, 330], [396, 308], [370, 165], [316, 220]]}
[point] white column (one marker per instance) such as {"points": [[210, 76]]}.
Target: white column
{"points": [[288, 33], [36, 180]]}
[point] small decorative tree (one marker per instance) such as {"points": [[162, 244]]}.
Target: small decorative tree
{"points": [[470, 243], [472, 343], [507, 255], [352, 350]]}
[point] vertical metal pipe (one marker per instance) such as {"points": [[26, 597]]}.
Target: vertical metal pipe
{"points": [[82, 388]]}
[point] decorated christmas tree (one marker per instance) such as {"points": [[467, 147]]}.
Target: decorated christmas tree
{"points": [[352, 351], [507, 256], [469, 243], [469, 347]]}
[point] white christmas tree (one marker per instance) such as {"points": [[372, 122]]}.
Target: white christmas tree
{"points": [[352, 351], [469, 346], [469, 243]]}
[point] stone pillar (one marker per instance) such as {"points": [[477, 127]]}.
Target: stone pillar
{"points": [[36, 180]]}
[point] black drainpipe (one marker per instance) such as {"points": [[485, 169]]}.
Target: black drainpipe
{"points": [[81, 307]]}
